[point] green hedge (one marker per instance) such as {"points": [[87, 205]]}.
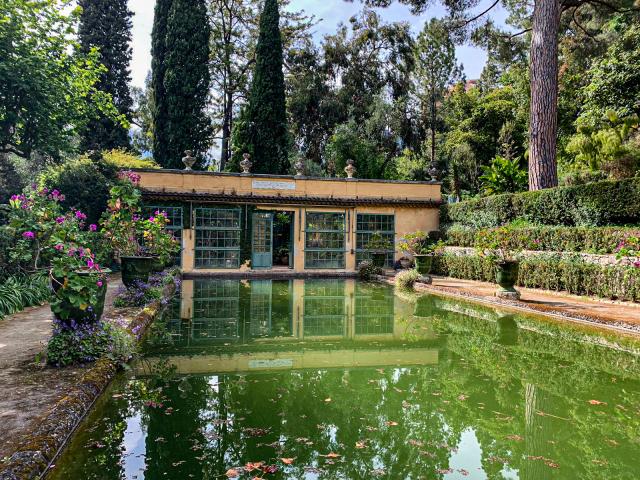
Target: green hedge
{"points": [[551, 272], [593, 204], [600, 240]]}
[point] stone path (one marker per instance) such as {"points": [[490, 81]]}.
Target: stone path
{"points": [[623, 314], [28, 388]]}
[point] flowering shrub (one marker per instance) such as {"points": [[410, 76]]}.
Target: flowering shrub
{"points": [[629, 249], [406, 279], [47, 235], [494, 244], [420, 243], [130, 233], [142, 293], [367, 270]]}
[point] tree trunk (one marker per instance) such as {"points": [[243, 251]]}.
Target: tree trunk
{"points": [[543, 126], [226, 131], [433, 128]]}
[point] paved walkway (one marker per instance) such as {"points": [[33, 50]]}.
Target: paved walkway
{"points": [[28, 388], [614, 313]]}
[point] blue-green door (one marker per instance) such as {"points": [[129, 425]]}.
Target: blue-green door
{"points": [[262, 240]]}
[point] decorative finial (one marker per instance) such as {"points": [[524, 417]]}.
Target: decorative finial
{"points": [[434, 172], [188, 160], [350, 169], [299, 166], [246, 164]]}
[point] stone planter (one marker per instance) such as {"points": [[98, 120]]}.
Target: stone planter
{"points": [[423, 264], [378, 259], [94, 312], [136, 269], [506, 278], [157, 265], [406, 263]]}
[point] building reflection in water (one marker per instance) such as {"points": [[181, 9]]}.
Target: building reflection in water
{"points": [[241, 311]]}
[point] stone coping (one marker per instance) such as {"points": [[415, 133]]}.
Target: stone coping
{"points": [[34, 455]]}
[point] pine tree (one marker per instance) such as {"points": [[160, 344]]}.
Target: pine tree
{"points": [[106, 25], [186, 82], [267, 114], [158, 54]]}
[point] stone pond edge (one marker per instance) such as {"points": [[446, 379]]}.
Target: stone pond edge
{"points": [[47, 439]]}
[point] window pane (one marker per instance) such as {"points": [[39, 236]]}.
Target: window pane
{"points": [[325, 240], [368, 224], [217, 238]]}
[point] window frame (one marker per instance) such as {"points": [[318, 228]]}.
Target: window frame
{"points": [[315, 250], [361, 252], [237, 230]]}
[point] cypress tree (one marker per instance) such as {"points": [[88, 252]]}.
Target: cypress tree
{"points": [[267, 113], [186, 82], [158, 58], [106, 25]]}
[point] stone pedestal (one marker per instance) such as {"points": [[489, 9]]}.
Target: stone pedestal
{"points": [[426, 279], [508, 294]]}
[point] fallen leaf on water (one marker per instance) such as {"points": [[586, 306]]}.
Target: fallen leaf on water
{"points": [[270, 468], [517, 438], [462, 397], [361, 444], [232, 473], [331, 455], [597, 402], [251, 466], [287, 461], [391, 424], [327, 399]]}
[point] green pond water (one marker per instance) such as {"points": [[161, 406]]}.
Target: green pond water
{"points": [[336, 379]]}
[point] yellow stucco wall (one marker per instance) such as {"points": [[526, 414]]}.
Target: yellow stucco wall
{"points": [[407, 219]]}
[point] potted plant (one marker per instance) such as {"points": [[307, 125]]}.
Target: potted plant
{"points": [[378, 246], [141, 243], [494, 244], [423, 248], [283, 255], [62, 241]]}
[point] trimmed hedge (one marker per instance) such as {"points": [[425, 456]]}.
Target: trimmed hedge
{"points": [[593, 204], [601, 240], [551, 272]]}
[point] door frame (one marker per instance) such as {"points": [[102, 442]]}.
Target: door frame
{"points": [[253, 226]]}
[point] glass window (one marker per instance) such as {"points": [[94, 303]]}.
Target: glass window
{"points": [[217, 238], [325, 236], [368, 224]]}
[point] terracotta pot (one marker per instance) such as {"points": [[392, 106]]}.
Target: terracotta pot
{"points": [[136, 269]]}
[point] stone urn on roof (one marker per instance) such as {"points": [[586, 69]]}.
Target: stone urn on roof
{"points": [[189, 160], [246, 164], [350, 169]]}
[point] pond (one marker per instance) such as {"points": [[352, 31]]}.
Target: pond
{"points": [[337, 379]]}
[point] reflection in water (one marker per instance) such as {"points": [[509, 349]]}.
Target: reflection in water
{"points": [[349, 380]]}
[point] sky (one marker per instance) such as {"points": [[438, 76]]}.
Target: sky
{"points": [[329, 13]]}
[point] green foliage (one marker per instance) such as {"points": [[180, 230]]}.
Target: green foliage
{"points": [[551, 272], [611, 147], [598, 240], [85, 184], [57, 85], [349, 142], [158, 107], [106, 26], [267, 134], [494, 244], [84, 344], [123, 160], [614, 79], [19, 292], [186, 85], [377, 242], [421, 243], [594, 204], [406, 279], [367, 270], [504, 176]]}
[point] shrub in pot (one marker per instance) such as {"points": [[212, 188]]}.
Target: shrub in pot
{"points": [[494, 244], [143, 244], [378, 246], [48, 236], [423, 248]]}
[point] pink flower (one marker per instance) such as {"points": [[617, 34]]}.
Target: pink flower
{"points": [[29, 235], [80, 215], [99, 283], [60, 220], [152, 219], [59, 247], [93, 227], [90, 263]]}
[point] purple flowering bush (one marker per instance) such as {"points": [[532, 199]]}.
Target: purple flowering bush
{"points": [[142, 293]]}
